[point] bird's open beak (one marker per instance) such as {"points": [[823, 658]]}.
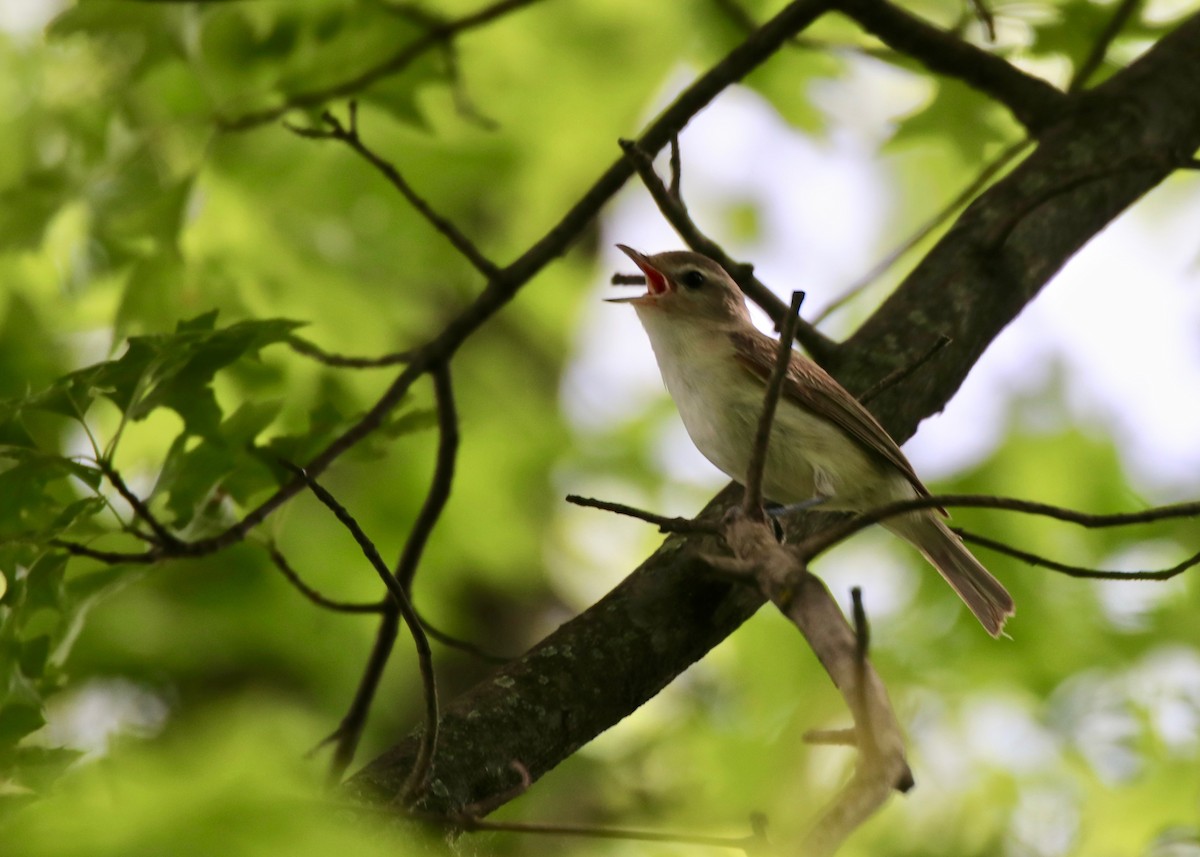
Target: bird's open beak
{"points": [[656, 282]]}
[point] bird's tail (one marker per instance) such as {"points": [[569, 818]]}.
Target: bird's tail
{"points": [[983, 594]]}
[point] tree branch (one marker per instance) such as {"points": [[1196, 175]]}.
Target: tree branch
{"points": [[417, 778], [1035, 103], [882, 767], [1092, 62], [348, 134]]}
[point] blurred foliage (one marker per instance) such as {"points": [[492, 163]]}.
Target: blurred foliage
{"points": [[155, 265]]}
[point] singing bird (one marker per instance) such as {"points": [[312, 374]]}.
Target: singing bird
{"points": [[824, 444]]}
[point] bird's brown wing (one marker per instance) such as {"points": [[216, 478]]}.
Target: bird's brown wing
{"points": [[809, 386]]}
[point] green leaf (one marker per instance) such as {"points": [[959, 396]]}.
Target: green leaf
{"points": [[20, 702], [34, 489], [139, 209], [38, 768], [26, 208], [142, 34]]}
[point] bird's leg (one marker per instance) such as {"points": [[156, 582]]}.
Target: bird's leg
{"points": [[777, 511]]}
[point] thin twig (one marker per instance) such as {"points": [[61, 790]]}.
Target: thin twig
{"points": [[316, 597], [925, 230], [148, 557], [1112, 28], [985, 17], [664, 524], [1076, 570], [436, 35], [782, 575], [440, 484], [466, 646], [673, 209], [897, 375], [140, 509], [864, 729], [350, 729], [349, 135], [862, 629], [418, 777], [349, 732], [831, 737], [822, 541], [309, 349], [675, 188], [752, 498]]}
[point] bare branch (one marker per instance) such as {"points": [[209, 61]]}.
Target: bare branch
{"points": [[350, 729], [348, 134], [752, 499], [164, 536], [827, 538], [466, 646], [1077, 570], [985, 17], [927, 229], [349, 732], [675, 188], [1034, 102], [313, 595], [417, 779], [309, 349], [440, 484], [734, 11], [1091, 63], [664, 524], [805, 600]]}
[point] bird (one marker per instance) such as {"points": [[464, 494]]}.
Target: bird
{"points": [[825, 447]]}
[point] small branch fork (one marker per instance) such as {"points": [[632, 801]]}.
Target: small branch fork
{"points": [[418, 777], [348, 134], [349, 732]]}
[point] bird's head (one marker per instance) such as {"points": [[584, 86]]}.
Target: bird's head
{"points": [[687, 285]]}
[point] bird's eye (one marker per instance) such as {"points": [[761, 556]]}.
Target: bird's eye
{"points": [[693, 279]]}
